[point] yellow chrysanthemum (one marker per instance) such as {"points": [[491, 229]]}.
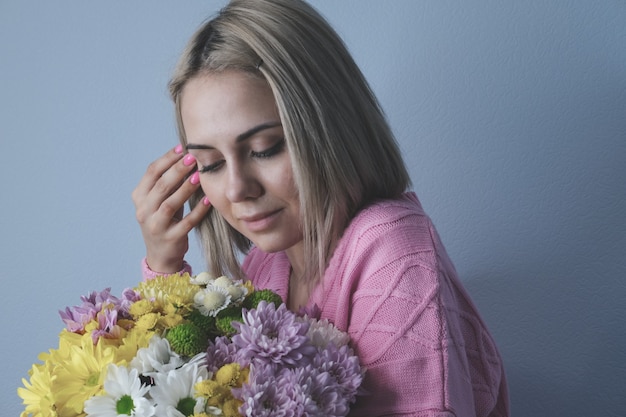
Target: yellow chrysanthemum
{"points": [[173, 308], [114, 342], [126, 324], [36, 394], [217, 391], [63, 354], [231, 375], [147, 322], [70, 339], [91, 326], [179, 302], [231, 407], [169, 321], [133, 341], [82, 376], [141, 308], [176, 290], [214, 393], [249, 286], [67, 412]]}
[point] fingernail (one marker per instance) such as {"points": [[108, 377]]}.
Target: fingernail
{"points": [[195, 178], [206, 201], [189, 159], [178, 149]]}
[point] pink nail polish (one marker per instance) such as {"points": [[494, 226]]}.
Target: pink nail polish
{"points": [[178, 149], [195, 178], [189, 159], [206, 201]]}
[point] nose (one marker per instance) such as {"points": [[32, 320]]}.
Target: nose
{"points": [[243, 183]]}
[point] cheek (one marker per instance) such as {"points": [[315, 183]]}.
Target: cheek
{"points": [[212, 191], [289, 184]]}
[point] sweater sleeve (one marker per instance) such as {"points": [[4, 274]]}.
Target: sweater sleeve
{"points": [[149, 274], [426, 350]]}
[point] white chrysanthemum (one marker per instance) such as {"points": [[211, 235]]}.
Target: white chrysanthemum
{"points": [[157, 357], [173, 391], [211, 300], [237, 292], [223, 282], [200, 359], [201, 407], [203, 278], [322, 332], [236, 289], [124, 395]]}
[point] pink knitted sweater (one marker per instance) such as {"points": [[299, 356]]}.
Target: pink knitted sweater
{"points": [[392, 287]]}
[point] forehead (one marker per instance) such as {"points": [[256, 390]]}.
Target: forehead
{"points": [[225, 104]]}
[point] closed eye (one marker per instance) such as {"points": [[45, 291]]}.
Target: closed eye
{"points": [[211, 168], [268, 153]]}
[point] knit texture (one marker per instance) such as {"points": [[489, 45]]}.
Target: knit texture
{"points": [[392, 287], [149, 274]]}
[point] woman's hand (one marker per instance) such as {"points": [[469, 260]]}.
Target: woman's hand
{"points": [[159, 203]]}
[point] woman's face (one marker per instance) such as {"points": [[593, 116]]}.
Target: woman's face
{"points": [[234, 132]]}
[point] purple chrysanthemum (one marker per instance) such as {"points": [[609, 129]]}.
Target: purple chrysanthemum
{"points": [[107, 326], [75, 318], [313, 312], [322, 396], [220, 353], [271, 392], [272, 335], [129, 296], [97, 299], [343, 366]]}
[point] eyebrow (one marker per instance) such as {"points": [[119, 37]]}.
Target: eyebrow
{"points": [[241, 137]]}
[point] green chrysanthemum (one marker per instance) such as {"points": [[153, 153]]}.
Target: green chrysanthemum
{"points": [[187, 339], [226, 317], [253, 300], [206, 323]]}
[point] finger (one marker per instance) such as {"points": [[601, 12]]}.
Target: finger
{"points": [[195, 216], [171, 209], [154, 172], [168, 184]]}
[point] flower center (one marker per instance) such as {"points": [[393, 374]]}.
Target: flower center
{"points": [[93, 379], [125, 405], [186, 405]]}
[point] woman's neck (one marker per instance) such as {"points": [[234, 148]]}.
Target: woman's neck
{"points": [[299, 286], [299, 292], [295, 254]]}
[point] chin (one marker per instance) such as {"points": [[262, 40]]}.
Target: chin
{"points": [[275, 245], [269, 248]]}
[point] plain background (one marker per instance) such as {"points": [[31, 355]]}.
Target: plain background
{"points": [[511, 116]]}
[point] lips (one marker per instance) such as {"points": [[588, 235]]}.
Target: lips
{"points": [[259, 222]]}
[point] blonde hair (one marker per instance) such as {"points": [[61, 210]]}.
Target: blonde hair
{"points": [[343, 153]]}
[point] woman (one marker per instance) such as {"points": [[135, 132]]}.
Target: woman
{"points": [[286, 157]]}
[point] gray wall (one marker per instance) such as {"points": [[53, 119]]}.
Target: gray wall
{"points": [[511, 115]]}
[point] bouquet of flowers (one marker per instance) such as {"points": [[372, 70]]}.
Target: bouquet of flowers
{"points": [[182, 345]]}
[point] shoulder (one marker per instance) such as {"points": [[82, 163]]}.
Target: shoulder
{"points": [[393, 228], [389, 251], [389, 261], [383, 210]]}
